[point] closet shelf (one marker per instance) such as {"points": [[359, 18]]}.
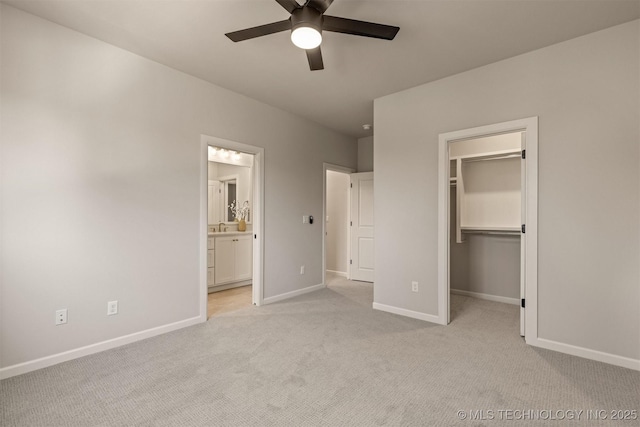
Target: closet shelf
{"points": [[486, 158], [490, 155]]}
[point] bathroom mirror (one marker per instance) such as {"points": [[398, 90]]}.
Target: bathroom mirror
{"points": [[229, 183]]}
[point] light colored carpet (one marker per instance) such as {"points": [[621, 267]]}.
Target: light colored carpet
{"points": [[324, 358]]}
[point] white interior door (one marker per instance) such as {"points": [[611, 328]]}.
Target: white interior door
{"points": [[362, 254], [523, 211]]}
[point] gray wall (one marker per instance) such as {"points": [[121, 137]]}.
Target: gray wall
{"points": [[585, 92], [365, 154], [101, 188], [337, 239]]}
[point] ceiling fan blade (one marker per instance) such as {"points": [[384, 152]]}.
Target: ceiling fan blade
{"points": [[262, 30], [315, 59], [319, 5], [359, 28], [289, 5]]}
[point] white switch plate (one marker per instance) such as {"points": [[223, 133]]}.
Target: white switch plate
{"points": [[414, 286], [61, 316], [112, 308], [305, 219], [302, 269]]}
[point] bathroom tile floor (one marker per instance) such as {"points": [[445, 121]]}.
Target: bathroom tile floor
{"points": [[227, 301]]}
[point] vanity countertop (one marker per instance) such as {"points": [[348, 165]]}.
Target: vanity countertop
{"points": [[228, 233]]}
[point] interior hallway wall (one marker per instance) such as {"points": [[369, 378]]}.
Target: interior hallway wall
{"points": [[365, 154], [585, 93]]}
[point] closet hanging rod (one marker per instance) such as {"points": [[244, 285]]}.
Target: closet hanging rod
{"points": [[494, 232], [499, 157]]}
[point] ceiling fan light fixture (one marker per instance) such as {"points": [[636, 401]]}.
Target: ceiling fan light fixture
{"points": [[306, 37], [307, 23]]}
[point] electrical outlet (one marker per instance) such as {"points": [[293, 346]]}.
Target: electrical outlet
{"points": [[61, 316], [414, 286], [112, 308], [302, 269]]}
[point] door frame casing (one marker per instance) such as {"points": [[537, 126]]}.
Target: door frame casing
{"points": [[257, 215], [342, 169], [530, 215]]}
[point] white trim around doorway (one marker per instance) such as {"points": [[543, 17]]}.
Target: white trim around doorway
{"points": [[530, 126], [257, 216]]}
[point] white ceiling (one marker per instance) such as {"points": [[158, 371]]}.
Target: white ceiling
{"points": [[437, 38]]}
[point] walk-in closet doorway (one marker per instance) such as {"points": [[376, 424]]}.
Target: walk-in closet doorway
{"points": [[488, 217]]}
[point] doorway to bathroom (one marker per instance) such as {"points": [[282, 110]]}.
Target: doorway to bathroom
{"points": [[232, 224]]}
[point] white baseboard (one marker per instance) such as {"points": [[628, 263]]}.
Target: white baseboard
{"points": [[407, 313], [338, 273], [586, 353], [43, 362], [573, 350], [487, 297], [292, 294]]}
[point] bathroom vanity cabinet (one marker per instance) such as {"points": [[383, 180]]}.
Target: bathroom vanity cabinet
{"points": [[230, 260]]}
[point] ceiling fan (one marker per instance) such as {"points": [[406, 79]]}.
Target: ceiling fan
{"points": [[307, 23]]}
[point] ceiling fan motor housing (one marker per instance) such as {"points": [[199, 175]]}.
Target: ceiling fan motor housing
{"points": [[306, 17]]}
